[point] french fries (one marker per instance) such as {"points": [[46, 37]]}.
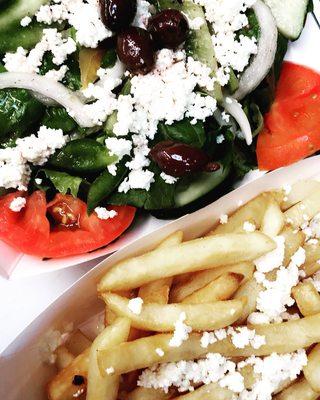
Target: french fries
{"points": [[162, 318], [252, 211], [304, 211], [105, 387], [198, 254], [200, 279], [299, 191], [307, 298], [273, 219], [221, 288], [312, 369], [195, 287], [212, 391], [141, 393], [61, 387], [280, 338], [300, 390]]}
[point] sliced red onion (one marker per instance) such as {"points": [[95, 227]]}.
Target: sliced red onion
{"points": [[49, 89], [236, 111], [267, 47]]}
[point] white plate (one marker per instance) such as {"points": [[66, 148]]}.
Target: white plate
{"points": [[23, 374], [14, 264]]}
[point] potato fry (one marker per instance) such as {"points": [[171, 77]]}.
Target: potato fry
{"points": [[200, 279], [212, 391], [304, 211], [105, 387], [312, 369], [158, 291], [252, 211], [221, 288], [249, 376], [273, 219], [280, 338], [64, 357], [78, 343], [301, 390], [307, 298], [311, 265], [141, 393], [162, 318], [61, 386], [250, 290], [195, 255], [292, 241], [299, 191]]}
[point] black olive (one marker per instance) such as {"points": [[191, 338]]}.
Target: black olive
{"points": [[178, 159], [135, 48], [78, 380], [169, 29], [118, 14]]}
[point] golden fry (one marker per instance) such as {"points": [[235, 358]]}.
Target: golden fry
{"points": [[212, 391], [312, 369], [300, 390], [307, 298], [64, 357], [299, 191], [250, 290], [273, 219], [162, 318], [304, 211], [141, 393]]}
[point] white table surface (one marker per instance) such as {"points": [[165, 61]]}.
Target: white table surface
{"points": [[23, 299]]}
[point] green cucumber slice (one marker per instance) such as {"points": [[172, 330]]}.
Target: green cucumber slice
{"points": [[188, 190], [289, 15]]}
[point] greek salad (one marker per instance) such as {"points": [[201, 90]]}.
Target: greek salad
{"points": [[107, 106]]}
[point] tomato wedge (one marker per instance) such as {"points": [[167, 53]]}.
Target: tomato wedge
{"points": [[60, 228], [292, 127]]}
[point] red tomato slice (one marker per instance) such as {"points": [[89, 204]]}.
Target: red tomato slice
{"points": [[292, 127], [296, 80], [74, 232]]}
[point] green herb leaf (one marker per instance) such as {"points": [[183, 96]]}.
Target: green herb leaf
{"points": [[185, 132], [104, 185], [83, 156], [58, 118], [109, 58], [63, 182]]}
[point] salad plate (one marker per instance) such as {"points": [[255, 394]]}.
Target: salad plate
{"points": [[172, 191]]}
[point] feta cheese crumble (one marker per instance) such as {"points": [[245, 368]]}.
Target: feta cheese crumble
{"points": [[224, 219], [249, 226], [110, 370], [17, 204], [104, 214], [160, 352], [181, 331], [135, 305], [25, 21], [272, 260], [170, 180]]}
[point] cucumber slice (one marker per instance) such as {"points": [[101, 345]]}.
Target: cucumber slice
{"points": [[18, 9], [188, 191], [289, 15]]}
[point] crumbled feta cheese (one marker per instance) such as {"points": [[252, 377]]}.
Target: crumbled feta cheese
{"points": [[242, 337], [249, 227], [38, 181], [84, 16], [57, 74], [160, 352], [287, 188], [272, 301], [14, 169], [25, 21], [224, 219], [273, 259], [118, 147], [112, 168], [170, 180], [225, 117], [52, 41], [135, 305], [17, 204], [195, 23], [103, 213], [78, 393], [110, 370], [184, 374], [142, 15], [220, 139], [181, 331], [140, 179]]}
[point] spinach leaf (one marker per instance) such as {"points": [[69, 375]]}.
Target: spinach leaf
{"points": [[185, 132], [15, 35], [109, 58], [253, 28], [82, 156], [160, 195], [63, 182], [18, 111], [243, 160], [255, 117], [58, 118], [104, 185], [72, 78]]}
